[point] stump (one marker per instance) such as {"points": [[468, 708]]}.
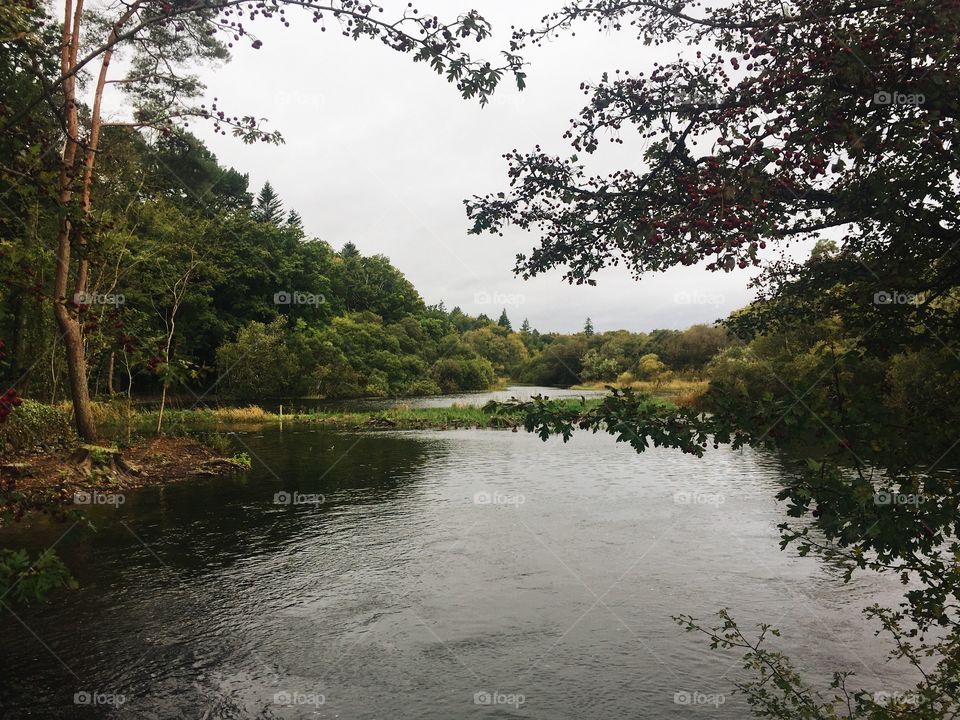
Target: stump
{"points": [[90, 458]]}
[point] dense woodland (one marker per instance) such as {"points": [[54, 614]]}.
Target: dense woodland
{"points": [[198, 283]]}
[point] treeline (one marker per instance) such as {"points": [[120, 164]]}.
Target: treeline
{"points": [[198, 284], [618, 356]]}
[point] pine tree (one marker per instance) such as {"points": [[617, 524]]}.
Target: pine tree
{"points": [[294, 220], [269, 207], [504, 321], [588, 328], [525, 327]]}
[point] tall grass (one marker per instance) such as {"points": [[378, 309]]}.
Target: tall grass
{"points": [[680, 391]]}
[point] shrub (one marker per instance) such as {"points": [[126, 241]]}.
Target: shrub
{"points": [[261, 363], [453, 374], [31, 580], [36, 424]]}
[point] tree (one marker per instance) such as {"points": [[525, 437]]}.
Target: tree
{"points": [[260, 363], [588, 328], [559, 362], [372, 284], [349, 250], [753, 142], [782, 121], [824, 250], [506, 352], [525, 327], [294, 220], [694, 347], [269, 207], [162, 39], [176, 281], [503, 321], [596, 366], [649, 367]]}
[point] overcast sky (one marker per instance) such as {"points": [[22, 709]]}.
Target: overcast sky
{"points": [[381, 152]]}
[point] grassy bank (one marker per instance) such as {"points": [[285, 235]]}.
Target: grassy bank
{"points": [[678, 391], [36, 426], [399, 418]]}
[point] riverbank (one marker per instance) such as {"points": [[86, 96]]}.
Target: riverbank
{"points": [[399, 418], [54, 481], [44, 466]]}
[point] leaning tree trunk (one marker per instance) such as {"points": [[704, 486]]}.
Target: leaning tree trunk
{"points": [[73, 344], [69, 325]]}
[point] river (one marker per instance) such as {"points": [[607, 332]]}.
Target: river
{"points": [[427, 574]]}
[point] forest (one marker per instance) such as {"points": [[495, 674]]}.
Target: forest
{"points": [[193, 275]]}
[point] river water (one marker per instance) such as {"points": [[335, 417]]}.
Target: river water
{"points": [[426, 574]]}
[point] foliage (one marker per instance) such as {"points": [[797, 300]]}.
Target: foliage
{"points": [[242, 459], [37, 424], [459, 374], [260, 362], [21, 579], [25, 581], [781, 121]]}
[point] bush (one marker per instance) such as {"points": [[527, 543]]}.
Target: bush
{"points": [[31, 580], [597, 367], [650, 368], [458, 374], [261, 363], [36, 424]]}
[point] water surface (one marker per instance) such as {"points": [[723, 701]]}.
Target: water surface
{"points": [[440, 570]]}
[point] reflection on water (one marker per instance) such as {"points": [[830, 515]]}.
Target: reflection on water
{"points": [[441, 570]]}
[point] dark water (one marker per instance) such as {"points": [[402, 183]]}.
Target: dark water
{"points": [[400, 596]]}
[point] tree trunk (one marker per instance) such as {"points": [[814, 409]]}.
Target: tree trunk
{"points": [[110, 374], [163, 402], [69, 326], [77, 373]]}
